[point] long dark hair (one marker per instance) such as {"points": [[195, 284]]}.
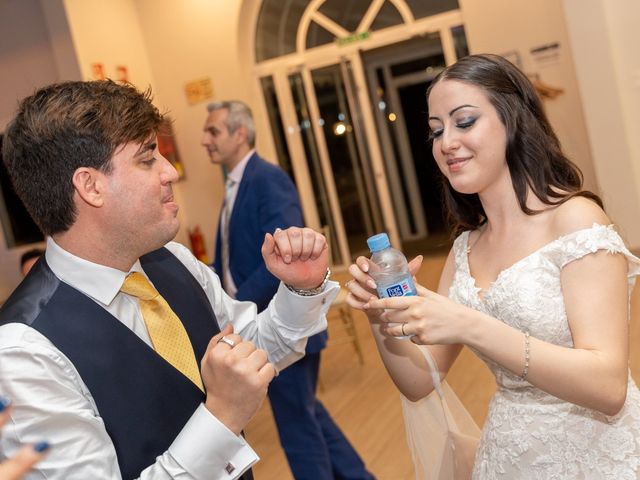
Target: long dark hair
{"points": [[534, 156]]}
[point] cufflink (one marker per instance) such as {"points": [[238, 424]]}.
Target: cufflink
{"points": [[229, 468]]}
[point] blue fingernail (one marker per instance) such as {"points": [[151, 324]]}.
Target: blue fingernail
{"points": [[4, 403], [41, 446]]}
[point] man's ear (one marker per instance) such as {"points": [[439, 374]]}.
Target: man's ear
{"points": [[88, 185], [241, 134]]}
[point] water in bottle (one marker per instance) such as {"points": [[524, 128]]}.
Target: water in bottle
{"points": [[389, 268]]}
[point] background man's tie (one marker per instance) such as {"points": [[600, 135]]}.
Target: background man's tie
{"points": [[169, 338]]}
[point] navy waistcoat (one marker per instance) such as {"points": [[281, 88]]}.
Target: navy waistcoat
{"points": [[143, 400]]}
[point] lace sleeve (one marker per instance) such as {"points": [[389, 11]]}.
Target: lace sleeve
{"points": [[590, 240], [460, 248]]}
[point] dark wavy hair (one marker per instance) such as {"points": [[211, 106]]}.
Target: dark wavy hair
{"points": [[534, 156], [63, 127]]}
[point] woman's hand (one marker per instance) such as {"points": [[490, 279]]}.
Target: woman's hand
{"points": [[362, 289], [427, 318], [14, 468]]}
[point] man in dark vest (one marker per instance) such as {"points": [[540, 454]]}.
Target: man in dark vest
{"points": [[120, 348]]}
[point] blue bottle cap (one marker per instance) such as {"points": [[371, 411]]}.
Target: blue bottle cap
{"points": [[378, 242]]}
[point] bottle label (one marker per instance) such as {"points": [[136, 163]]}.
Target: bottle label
{"points": [[403, 288]]}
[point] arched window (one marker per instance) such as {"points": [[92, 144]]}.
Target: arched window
{"points": [[289, 26], [343, 84]]}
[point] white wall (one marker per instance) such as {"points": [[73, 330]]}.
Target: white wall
{"points": [[109, 33], [605, 39], [497, 26], [62, 47], [599, 69], [187, 41], [116, 39]]}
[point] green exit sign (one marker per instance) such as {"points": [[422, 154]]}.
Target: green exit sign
{"points": [[354, 37]]}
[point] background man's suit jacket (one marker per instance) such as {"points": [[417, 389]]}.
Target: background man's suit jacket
{"points": [[266, 199]]}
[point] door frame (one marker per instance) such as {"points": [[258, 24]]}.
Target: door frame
{"points": [[304, 62], [382, 61]]}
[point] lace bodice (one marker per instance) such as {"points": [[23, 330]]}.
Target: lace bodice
{"points": [[528, 433]]}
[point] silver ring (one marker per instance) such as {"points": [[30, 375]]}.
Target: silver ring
{"points": [[402, 328], [228, 341]]}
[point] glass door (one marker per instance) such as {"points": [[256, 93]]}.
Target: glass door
{"points": [[346, 153], [398, 77], [324, 146], [353, 135]]}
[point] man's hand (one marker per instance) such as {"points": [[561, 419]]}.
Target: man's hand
{"points": [[297, 256], [235, 378]]}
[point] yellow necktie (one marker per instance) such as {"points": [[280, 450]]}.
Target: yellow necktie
{"points": [[167, 333]]}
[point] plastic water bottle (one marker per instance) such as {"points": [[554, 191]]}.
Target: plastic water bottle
{"points": [[389, 268]]}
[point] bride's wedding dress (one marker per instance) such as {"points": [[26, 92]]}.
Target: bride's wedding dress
{"points": [[528, 433]]}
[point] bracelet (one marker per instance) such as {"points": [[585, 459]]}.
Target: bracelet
{"points": [[309, 292], [527, 349]]}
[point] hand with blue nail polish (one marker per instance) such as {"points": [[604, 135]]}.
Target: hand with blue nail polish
{"points": [[15, 467]]}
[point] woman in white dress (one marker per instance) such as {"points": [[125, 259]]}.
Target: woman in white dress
{"points": [[537, 284]]}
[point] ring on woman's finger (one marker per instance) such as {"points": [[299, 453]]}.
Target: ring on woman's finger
{"points": [[403, 333]]}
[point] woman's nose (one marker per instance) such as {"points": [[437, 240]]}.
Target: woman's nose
{"points": [[450, 141]]}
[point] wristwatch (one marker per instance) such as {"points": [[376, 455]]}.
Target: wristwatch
{"points": [[311, 291]]}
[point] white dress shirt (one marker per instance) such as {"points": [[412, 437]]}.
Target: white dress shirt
{"points": [[51, 402], [235, 175]]}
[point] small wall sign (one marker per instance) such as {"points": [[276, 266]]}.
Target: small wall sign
{"points": [[353, 38], [198, 90]]}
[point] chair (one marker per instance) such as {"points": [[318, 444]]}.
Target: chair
{"points": [[341, 309]]}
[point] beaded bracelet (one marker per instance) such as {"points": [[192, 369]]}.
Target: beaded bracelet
{"points": [[525, 370]]}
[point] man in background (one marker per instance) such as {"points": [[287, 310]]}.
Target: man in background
{"points": [[121, 348], [260, 197]]}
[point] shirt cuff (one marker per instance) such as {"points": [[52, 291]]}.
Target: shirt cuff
{"points": [[303, 316], [207, 449]]}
